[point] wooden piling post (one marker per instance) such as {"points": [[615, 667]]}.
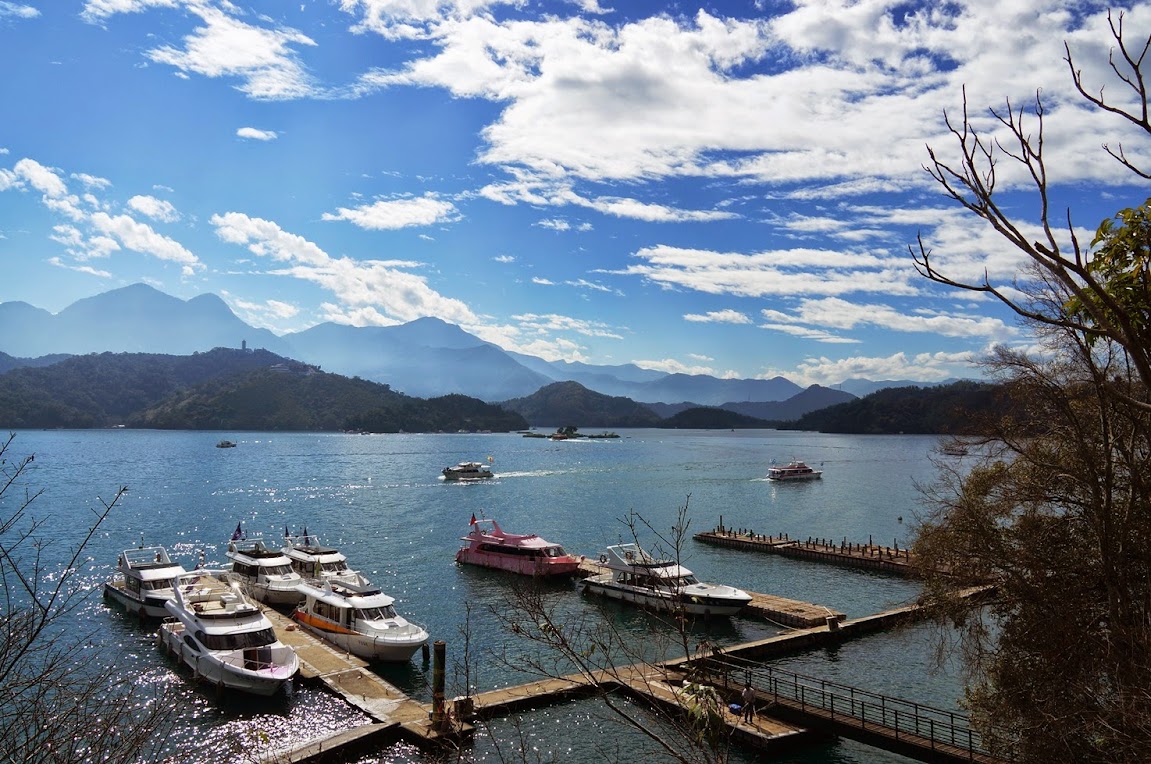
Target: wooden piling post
{"points": [[440, 653]]}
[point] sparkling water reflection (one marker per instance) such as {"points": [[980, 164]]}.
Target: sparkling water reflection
{"points": [[382, 501]]}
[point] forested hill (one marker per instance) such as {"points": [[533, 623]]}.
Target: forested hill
{"points": [[223, 389], [570, 403], [954, 409]]}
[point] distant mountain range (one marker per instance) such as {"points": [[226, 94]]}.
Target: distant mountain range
{"points": [[423, 358]]}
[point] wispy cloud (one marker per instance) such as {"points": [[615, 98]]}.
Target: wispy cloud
{"points": [[929, 367], [255, 134], [17, 10], [369, 291], [718, 317], [264, 60], [398, 213], [157, 209], [91, 231]]}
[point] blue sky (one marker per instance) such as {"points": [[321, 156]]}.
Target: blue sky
{"points": [[727, 189]]}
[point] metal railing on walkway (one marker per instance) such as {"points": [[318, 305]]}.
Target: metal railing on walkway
{"points": [[911, 724]]}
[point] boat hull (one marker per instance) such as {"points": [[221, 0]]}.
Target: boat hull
{"points": [[812, 476], [148, 607], [695, 604], [517, 563], [389, 649], [275, 595], [262, 671]]}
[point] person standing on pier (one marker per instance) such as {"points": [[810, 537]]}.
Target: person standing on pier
{"points": [[747, 698]]}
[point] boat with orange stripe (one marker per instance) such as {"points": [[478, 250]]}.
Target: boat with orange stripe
{"points": [[358, 617]]}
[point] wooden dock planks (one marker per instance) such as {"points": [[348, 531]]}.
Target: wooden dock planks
{"points": [[866, 556]]}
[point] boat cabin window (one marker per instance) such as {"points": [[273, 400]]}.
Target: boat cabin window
{"points": [[555, 551], [340, 566], [375, 613], [514, 551], [324, 610], [159, 583], [133, 584], [244, 569], [276, 570], [238, 641]]}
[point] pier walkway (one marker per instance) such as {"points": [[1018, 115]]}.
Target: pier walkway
{"points": [[345, 674], [867, 556], [912, 729]]}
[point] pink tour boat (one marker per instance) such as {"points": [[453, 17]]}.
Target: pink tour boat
{"points": [[488, 545]]}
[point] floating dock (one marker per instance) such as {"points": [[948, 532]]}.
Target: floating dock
{"points": [[791, 613], [869, 556]]}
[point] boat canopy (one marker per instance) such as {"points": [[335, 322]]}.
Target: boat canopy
{"points": [[347, 595], [631, 558]]}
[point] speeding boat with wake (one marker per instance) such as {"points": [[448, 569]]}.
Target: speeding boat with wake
{"points": [[795, 470], [468, 471], [224, 637], [636, 577]]}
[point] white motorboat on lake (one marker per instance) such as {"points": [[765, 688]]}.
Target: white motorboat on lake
{"points": [[224, 637], [795, 470], [143, 581], [468, 471], [639, 578], [359, 618], [311, 559], [266, 571]]}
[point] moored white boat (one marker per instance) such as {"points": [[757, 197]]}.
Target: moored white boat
{"points": [[794, 470], [223, 636], [468, 471], [359, 618], [311, 559], [490, 546], [143, 581], [265, 571], [638, 578]]}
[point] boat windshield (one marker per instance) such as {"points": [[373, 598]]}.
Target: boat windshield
{"points": [[276, 570], [687, 581], [238, 641], [159, 583], [375, 613], [335, 567], [555, 551]]}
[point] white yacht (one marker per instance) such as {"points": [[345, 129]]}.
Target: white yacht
{"points": [[312, 560], [266, 571], [224, 637], [143, 581], [795, 470], [637, 577], [468, 471], [359, 618]]}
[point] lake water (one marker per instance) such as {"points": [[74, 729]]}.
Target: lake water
{"points": [[380, 499]]}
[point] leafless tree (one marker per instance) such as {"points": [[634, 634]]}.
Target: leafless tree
{"points": [[1056, 508], [691, 725], [57, 704]]}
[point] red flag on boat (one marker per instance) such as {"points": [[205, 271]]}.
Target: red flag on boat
{"points": [[473, 522]]}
